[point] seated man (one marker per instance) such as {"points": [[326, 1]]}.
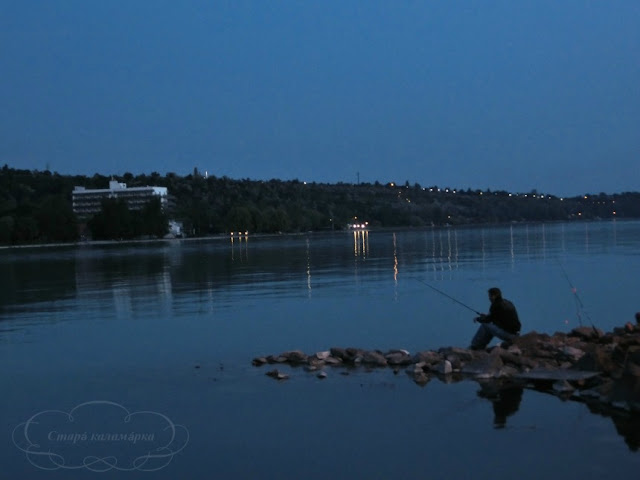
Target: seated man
{"points": [[502, 321]]}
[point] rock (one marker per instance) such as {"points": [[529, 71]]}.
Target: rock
{"points": [[429, 357], [514, 350], [333, 361], [277, 375], [518, 360], [462, 354], [603, 369], [528, 342], [397, 350], [507, 372], [258, 361], [374, 358], [562, 386], [607, 338], [554, 374], [486, 367], [322, 355], [398, 358], [421, 379], [314, 362], [588, 333], [295, 356], [338, 352], [572, 353], [422, 366], [633, 354], [276, 359], [455, 361], [347, 355], [353, 354], [632, 369], [597, 361], [443, 368]]}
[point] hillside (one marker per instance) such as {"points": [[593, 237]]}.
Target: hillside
{"points": [[36, 206]]}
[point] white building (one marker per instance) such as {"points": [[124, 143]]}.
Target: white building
{"points": [[87, 202]]}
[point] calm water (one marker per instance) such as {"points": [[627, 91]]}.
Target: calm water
{"points": [[129, 324]]}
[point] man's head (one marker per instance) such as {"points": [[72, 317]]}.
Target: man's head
{"points": [[494, 294]]}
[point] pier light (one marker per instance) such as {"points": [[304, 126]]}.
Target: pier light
{"points": [[614, 212], [246, 232]]}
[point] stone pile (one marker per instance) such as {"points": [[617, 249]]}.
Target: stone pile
{"points": [[585, 364]]}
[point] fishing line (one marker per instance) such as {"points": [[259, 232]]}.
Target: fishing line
{"points": [[448, 296]]}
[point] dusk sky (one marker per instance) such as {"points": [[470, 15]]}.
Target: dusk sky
{"points": [[506, 95]]}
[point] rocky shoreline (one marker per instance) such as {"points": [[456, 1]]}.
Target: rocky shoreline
{"points": [[586, 364]]}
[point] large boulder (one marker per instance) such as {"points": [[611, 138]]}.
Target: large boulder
{"points": [[295, 357], [487, 366], [429, 357], [587, 333], [598, 360], [398, 358], [462, 353], [374, 358]]}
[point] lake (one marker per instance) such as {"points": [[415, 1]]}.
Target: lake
{"points": [[113, 351]]}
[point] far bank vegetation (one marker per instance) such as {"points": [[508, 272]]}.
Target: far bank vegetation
{"points": [[35, 206]]}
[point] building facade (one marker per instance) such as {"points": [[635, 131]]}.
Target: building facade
{"points": [[87, 202]]}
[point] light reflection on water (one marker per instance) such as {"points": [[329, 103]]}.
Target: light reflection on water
{"points": [[108, 316]]}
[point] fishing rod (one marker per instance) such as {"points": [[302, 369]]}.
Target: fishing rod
{"points": [[579, 305], [448, 296]]}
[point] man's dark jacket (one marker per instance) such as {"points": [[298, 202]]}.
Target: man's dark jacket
{"points": [[504, 315]]}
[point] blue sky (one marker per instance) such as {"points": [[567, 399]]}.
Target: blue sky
{"points": [[509, 95]]}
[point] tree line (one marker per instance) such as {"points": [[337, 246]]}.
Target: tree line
{"points": [[35, 206]]}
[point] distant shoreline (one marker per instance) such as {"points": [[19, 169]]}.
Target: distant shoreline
{"points": [[224, 236]]}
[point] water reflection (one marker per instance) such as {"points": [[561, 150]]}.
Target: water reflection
{"points": [[511, 248], [239, 242], [308, 268], [395, 260], [504, 398], [627, 424], [361, 243], [135, 277]]}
